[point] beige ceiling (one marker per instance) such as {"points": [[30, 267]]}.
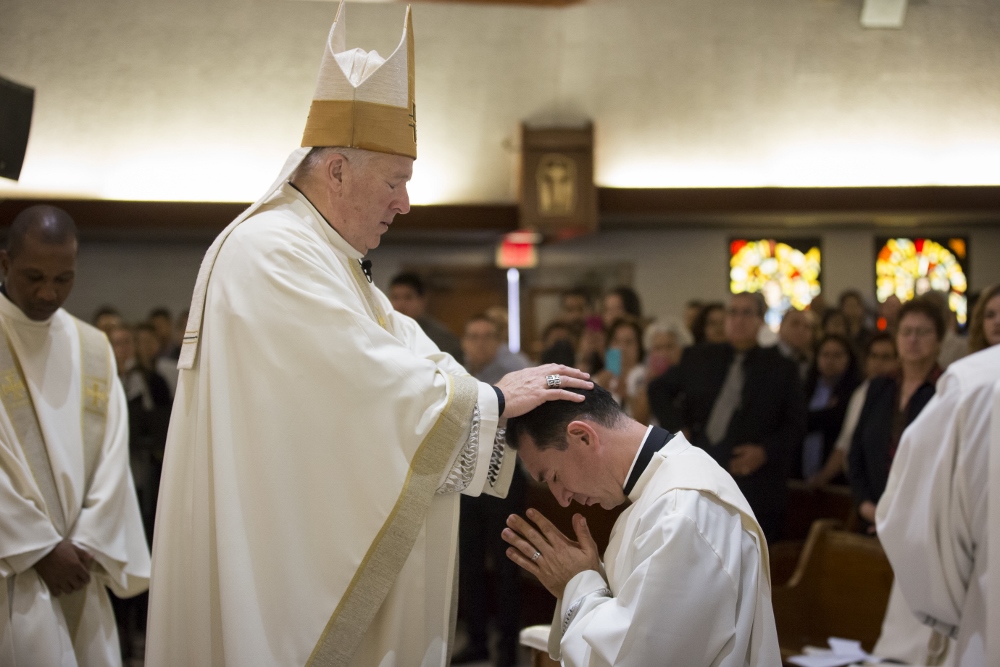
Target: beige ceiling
{"points": [[198, 100]]}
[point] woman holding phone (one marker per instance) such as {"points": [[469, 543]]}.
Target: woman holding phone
{"points": [[624, 374]]}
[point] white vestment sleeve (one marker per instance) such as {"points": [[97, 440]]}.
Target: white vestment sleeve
{"points": [[26, 532], [109, 526], [408, 331], [483, 464], [924, 517], [675, 607], [992, 582], [26, 560]]}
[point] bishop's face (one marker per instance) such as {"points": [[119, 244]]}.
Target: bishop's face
{"points": [[374, 193]]}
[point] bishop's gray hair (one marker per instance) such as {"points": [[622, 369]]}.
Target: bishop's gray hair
{"points": [[318, 155]]}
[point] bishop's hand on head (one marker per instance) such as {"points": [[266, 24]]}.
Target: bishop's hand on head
{"points": [[526, 389]]}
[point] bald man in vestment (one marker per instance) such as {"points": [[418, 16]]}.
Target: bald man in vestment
{"points": [[308, 510], [69, 519]]}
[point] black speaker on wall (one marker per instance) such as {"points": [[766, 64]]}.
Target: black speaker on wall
{"points": [[16, 103]]}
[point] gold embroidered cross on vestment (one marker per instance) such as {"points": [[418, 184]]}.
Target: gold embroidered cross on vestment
{"points": [[12, 387], [97, 395]]}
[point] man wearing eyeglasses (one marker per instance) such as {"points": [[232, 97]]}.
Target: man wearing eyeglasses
{"points": [[743, 404]]}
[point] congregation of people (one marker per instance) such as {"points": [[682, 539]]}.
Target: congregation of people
{"points": [[837, 354], [336, 476], [824, 400], [146, 358]]}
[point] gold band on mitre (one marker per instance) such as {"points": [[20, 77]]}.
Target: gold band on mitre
{"points": [[366, 125]]}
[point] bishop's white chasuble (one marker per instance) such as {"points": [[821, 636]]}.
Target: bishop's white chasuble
{"points": [[686, 577], [308, 507], [934, 518], [64, 473]]}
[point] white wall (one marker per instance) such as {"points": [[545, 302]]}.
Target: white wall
{"points": [[134, 277], [671, 266]]}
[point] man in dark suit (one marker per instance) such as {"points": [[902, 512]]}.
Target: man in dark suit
{"points": [[409, 297], [741, 403]]}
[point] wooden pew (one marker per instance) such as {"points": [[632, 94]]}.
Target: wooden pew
{"points": [[806, 506], [839, 589]]}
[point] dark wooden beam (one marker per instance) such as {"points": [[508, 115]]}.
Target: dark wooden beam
{"points": [[736, 201], [116, 216], [204, 219], [108, 217]]}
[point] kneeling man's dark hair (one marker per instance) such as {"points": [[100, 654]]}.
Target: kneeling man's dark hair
{"points": [[546, 424]]}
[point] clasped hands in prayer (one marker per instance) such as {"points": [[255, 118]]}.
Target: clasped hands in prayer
{"points": [[525, 390], [559, 558]]}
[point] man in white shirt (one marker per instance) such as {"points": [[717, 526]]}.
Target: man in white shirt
{"points": [[685, 578], [935, 515], [69, 519]]}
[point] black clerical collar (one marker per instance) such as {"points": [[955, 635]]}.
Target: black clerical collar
{"points": [[654, 442]]}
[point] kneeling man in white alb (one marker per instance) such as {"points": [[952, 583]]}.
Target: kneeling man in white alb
{"points": [[685, 578]]}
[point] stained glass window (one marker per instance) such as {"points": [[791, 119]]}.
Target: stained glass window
{"points": [[909, 267], [787, 272]]}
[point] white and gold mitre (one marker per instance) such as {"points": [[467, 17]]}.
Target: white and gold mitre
{"points": [[362, 100]]}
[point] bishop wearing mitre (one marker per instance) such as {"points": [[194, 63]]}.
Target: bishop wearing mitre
{"points": [[308, 509]]}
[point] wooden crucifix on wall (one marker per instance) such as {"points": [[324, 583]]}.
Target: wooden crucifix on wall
{"points": [[558, 196]]}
